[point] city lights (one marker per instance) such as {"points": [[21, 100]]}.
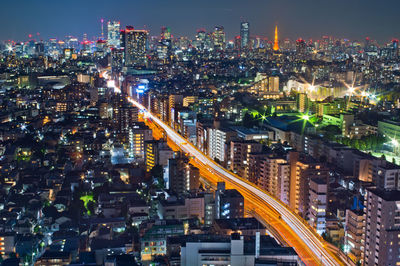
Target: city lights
{"points": [[149, 128]]}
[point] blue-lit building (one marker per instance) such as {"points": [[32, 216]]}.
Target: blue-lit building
{"points": [[229, 203]]}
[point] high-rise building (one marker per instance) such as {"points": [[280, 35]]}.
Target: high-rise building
{"points": [[216, 143], [117, 59], [318, 204], [135, 44], [113, 29], [157, 153], [182, 176], [124, 115], [302, 170], [244, 34], [229, 203], [353, 234], [219, 38], [165, 33], [273, 84], [271, 177], [239, 155], [138, 135], [300, 47], [382, 223]]}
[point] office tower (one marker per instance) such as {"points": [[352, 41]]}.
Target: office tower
{"points": [[353, 234], [318, 204], [113, 31], [117, 59], [382, 223], [135, 42], [276, 40], [239, 155], [244, 34], [39, 49], [301, 47], [219, 38], [395, 48], [229, 203], [165, 33], [182, 176]]}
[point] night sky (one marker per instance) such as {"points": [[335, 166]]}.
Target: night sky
{"points": [[353, 19]]}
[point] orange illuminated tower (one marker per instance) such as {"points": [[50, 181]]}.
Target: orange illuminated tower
{"points": [[276, 45]]}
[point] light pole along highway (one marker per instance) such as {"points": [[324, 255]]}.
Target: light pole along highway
{"points": [[308, 238]]}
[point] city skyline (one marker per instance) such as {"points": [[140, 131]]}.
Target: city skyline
{"points": [[353, 20]]}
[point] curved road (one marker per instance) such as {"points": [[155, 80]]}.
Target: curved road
{"points": [[309, 238]]}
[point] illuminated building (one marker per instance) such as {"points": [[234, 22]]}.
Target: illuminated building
{"points": [[219, 38], [113, 29], [229, 203], [157, 153], [7, 243], [244, 34], [273, 84], [165, 33], [124, 115], [354, 230], [390, 129], [189, 100], [138, 135], [117, 59], [154, 241], [318, 204], [273, 176], [183, 177], [302, 102], [61, 106], [235, 249], [239, 155], [135, 44], [382, 216], [300, 47], [174, 102], [276, 41], [53, 258], [216, 139], [302, 170]]}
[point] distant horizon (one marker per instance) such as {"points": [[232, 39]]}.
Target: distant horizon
{"points": [[308, 19]]}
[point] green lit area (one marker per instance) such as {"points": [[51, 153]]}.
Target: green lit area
{"points": [[86, 199]]}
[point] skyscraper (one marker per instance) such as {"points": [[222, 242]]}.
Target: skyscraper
{"points": [[219, 38], [244, 34], [113, 28], [135, 47], [165, 33], [276, 45]]}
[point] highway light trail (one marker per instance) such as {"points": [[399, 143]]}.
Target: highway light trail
{"points": [[302, 231]]}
